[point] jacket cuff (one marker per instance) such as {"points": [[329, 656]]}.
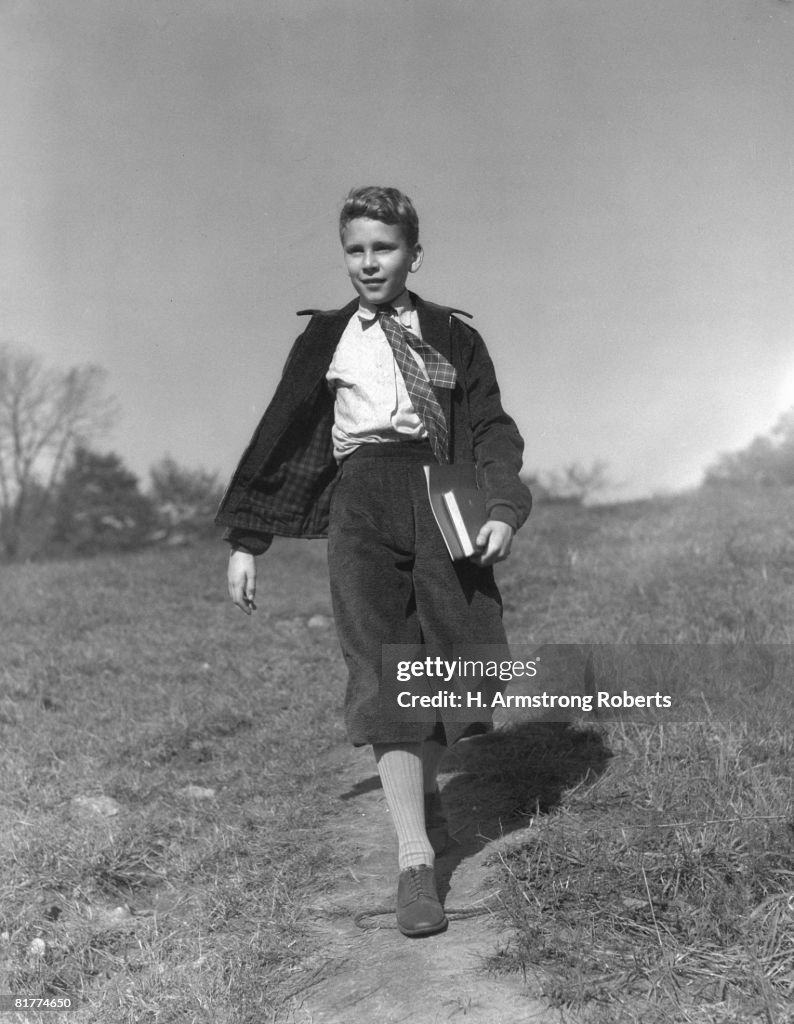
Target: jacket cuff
{"points": [[244, 540], [504, 514]]}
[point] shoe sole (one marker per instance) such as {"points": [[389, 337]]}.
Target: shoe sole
{"points": [[418, 933]]}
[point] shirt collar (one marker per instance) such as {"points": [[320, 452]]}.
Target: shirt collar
{"points": [[402, 304]]}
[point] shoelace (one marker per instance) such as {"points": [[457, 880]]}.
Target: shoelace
{"points": [[416, 877]]}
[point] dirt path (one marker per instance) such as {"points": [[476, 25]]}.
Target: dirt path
{"points": [[370, 973]]}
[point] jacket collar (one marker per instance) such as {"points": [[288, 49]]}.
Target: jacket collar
{"points": [[434, 325], [313, 353], [326, 328]]}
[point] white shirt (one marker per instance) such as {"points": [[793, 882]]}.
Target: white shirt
{"points": [[371, 401]]}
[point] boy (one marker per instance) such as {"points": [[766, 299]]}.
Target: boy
{"points": [[369, 395]]}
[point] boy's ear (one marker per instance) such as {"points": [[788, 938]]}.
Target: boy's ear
{"points": [[419, 255]]}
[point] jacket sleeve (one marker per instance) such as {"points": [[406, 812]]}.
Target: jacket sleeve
{"points": [[250, 541], [282, 479], [254, 542], [497, 444]]}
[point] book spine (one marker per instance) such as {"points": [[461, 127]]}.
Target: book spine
{"points": [[456, 517]]}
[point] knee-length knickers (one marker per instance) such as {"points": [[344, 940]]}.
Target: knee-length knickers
{"points": [[393, 582]]}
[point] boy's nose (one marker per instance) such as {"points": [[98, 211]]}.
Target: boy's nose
{"points": [[370, 261]]}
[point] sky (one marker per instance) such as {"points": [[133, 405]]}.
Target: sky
{"points": [[606, 185]]}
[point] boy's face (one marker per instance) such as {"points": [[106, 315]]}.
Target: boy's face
{"points": [[378, 259]]}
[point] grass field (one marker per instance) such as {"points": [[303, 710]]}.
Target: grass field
{"points": [[656, 888], [665, 889]]}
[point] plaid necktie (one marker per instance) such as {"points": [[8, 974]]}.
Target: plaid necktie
{"points": [[440, 372]]}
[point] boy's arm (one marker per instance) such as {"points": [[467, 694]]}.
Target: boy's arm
{"points": [[494, 542], [248, 540], [497, 443], [241, 577], [241, 570]]}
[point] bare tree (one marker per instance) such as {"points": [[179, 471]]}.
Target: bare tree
{"points": [[185, 500], [44, 414]]}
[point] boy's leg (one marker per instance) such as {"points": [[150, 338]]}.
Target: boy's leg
{"points": [[419, 910], [408, 773], [370, 558], [457, 604], [370, 555], [400, 769]]}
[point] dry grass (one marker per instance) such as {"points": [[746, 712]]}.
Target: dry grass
{"points": [[659, 889], [663, 890], [129, 678]]}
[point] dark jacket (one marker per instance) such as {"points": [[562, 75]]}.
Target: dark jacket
{"points": [[284, 480]]}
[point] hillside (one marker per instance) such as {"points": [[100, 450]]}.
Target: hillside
{"points": [[664, 871]]}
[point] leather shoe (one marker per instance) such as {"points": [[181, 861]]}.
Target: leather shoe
{"points": [[419, 910], [436, 823]]}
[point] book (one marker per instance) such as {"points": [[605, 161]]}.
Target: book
{"points": [[458, 506]]}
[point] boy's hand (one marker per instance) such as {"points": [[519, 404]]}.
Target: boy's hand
{"points": [[241, 577], [494, 541]]}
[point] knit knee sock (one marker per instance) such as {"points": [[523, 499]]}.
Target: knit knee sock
{"points": [[432, 753], [400, 769]]}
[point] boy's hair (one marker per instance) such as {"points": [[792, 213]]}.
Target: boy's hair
{"points": [[378, 203]]}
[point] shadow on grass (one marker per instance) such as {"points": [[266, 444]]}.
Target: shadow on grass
{"points": [[372, 782], [501, 779]]}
